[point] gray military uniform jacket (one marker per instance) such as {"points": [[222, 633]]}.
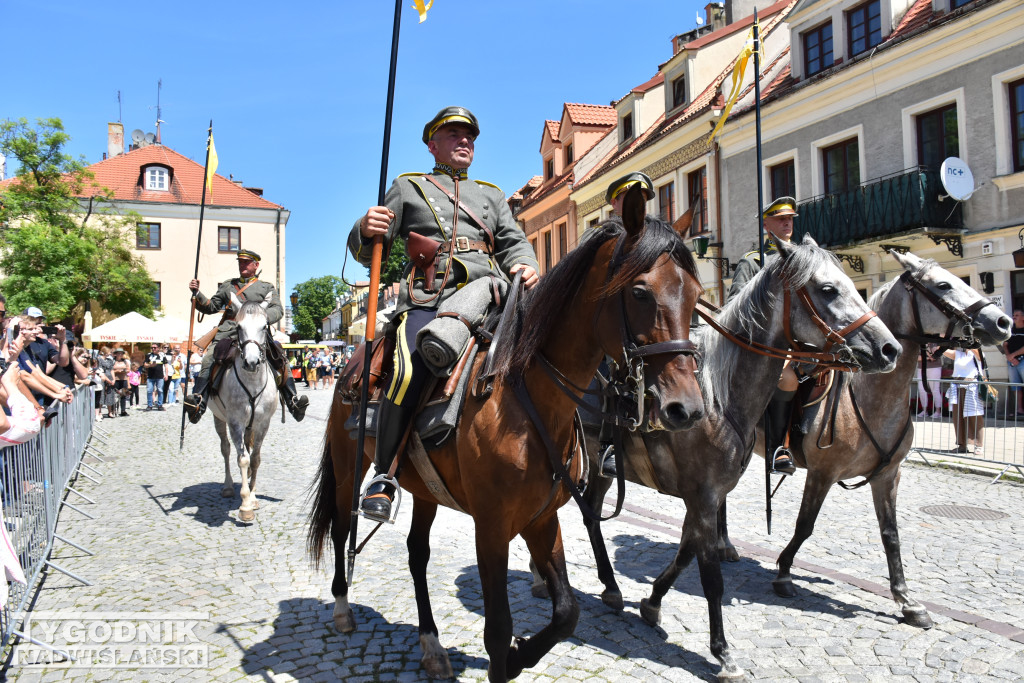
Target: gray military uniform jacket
{"points": [[749, 266], [258, 292], [420, 207]]}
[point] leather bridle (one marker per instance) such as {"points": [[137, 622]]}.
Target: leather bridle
{"points": [[965, 316], [836, 353]]}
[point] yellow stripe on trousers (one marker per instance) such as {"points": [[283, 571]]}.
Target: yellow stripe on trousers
{"points": [[403, 367]]}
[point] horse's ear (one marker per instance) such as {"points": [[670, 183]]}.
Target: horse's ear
{"points": [[684, 222], [634, 209], [785, 248], [809, 240], [908, 261]]}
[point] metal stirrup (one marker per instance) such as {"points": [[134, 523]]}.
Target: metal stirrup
{"points": [[395, 504]]}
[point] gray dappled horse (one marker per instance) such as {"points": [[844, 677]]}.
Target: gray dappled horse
{"points": [[244, 405], [925, 303], [703, 465]]}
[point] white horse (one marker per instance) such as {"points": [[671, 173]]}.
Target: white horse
{"points": [[244, 405]]}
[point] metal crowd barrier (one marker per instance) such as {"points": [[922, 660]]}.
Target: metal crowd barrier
{"points": [[36, 479], [995, 438]]}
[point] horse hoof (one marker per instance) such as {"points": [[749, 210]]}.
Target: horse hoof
{"points": [[513, 664], [539, 590], [650, 614], [227, 491], [729, 554], [435, 658], [344, 618], [246, 515], [784, 588], [613, 598], [918, 616], [255, 505], [731, 672]]}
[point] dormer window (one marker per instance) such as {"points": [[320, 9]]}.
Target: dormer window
{"points": [[568, 154], [158, 179], [817, 44], [627, 127], [865, 26], [549, 169], [679, 92]]}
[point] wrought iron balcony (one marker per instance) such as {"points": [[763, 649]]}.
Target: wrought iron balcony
{"points": [[894, 204]]}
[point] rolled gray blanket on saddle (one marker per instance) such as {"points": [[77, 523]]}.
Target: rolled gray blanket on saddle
{"points": [[442, 341], [438, 418]]}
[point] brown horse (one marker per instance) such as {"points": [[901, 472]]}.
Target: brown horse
{"points": [[873, 430], [703, 465], [626, 292]]}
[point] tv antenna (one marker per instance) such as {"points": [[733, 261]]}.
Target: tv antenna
{"points": [[159, 85], [119, 107]]}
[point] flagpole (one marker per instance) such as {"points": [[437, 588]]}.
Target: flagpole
{"points": [[371, 298], [192, 314], [760, 245]]}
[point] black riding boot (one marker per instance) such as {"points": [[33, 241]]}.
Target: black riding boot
{"points": [[295, 404], [195, 403], [778, 412], [392, 423]]}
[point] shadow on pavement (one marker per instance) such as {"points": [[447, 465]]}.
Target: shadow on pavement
{"points": [[210, 508]]}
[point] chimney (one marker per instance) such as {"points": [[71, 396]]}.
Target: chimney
{"points": [[115, 139]]}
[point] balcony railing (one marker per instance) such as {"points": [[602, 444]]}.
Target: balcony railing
{"points": [[898, 203]]}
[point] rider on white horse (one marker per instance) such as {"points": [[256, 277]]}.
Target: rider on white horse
{"points": [[229, 298]]}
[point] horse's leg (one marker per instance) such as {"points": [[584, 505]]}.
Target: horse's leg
{"points": [[544, 539], [883, 492], [228, 489], [650, 607], [815, 490], [254, 465], [726, 551], [492, 563], [597, 488], [704, 528], [435, 658], [245, 511]]}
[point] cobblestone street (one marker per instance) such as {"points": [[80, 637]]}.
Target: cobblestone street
{"points": [[166, 542]]}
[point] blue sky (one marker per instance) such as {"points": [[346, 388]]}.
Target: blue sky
{"points": [[297, 92]]}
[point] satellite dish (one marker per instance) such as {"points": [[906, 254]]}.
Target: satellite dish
{"points": [[150, 138], [138, 136], [957, 178]]}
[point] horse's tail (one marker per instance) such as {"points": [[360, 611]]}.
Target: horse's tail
{"points": [[322, 491]]}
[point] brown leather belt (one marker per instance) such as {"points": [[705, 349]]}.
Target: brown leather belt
{"points": [[463, 244]]}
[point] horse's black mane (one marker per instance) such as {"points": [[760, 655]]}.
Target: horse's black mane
{"points": [[549, 300]]}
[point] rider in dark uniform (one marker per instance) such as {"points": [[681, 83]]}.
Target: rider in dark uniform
{"points": [[487, 242], [778, 225], [229, 297], [615, 195]]}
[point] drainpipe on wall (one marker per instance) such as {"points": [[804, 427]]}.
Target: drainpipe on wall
{"points": [[277, 239]]}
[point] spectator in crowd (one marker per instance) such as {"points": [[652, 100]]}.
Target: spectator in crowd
{"points": [[964, 400], [106, 366], [154, 365], [134, 379], [174, 370], [321, 368], [96, 380], [196, 365], [121, 368], [1013, 349], [21, 417], [307, 367], [928, 394], [34, 357]]}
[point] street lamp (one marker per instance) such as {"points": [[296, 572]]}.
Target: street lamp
{"points": [[700, 247], [294, 298]]}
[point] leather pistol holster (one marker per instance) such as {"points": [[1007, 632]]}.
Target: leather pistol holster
{"points": [[423, 254]]}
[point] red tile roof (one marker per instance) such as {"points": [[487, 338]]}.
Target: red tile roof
{"points": [[552, 129], [658, 79], [919, 14], [735, 26], [122, 175], [531, 185], [591, 114]]}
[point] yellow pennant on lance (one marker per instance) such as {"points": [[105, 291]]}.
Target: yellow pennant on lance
{"points": [[422, 8], [211, 164], [737, 81]]}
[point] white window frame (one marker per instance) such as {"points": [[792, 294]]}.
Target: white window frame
{"points": [[157, 172], [817, 179], [766, 167], [1001, 114], [908, 117]]}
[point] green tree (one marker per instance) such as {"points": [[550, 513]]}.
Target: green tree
{"points": [[59, 251], [394, 266], [317, 298]]}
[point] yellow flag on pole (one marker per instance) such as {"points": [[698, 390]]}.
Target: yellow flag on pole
{"points": [[211, 163], [422, 8], [737, 81]]}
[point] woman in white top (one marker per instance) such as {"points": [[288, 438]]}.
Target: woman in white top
{"points": [[968, 406]]}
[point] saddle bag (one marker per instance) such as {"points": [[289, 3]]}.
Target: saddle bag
{"points": [[381, 360], [423, 252]]}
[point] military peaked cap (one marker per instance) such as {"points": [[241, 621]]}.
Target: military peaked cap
{"points": [[783, 206], [450, 115], [626, 182], [248, 254]]}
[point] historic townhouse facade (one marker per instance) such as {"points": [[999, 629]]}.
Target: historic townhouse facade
{"points": [[543, 208], [856, 126], [676, 110]]}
